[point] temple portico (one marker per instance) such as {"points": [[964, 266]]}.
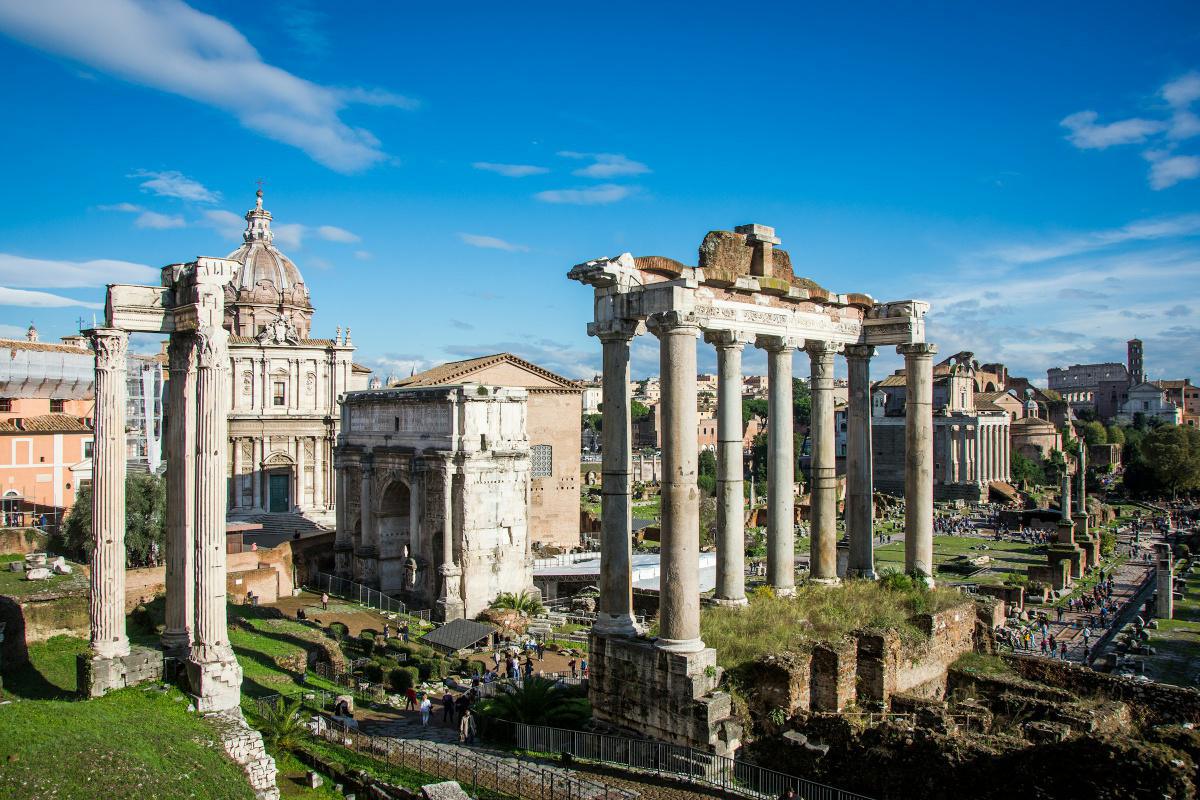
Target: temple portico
{"points": [[743, 291]]}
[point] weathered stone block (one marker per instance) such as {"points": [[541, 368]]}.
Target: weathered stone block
{"points": [[834, 674], [98, 676]]}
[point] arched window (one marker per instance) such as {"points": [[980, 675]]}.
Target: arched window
{"points": [[542, 460]]}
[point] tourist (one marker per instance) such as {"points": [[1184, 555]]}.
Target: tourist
{"points": [[541, 649], [1062, 650], [324, 602], [300, 615], [583, 668], [447, 707], [410, 696], [466, 728], [404, 631], [462, 705], [1060, 613], [426, 709], [528, 668], [573, 665], [1087, 636], [387, 631]]}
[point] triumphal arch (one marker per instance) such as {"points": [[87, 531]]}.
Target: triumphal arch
{"points": [[742, 291]]}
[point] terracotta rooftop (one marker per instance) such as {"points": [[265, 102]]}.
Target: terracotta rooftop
{"points": [[45, 423], [458, 371], [892, 380], [1032, 422], [42, 347]]}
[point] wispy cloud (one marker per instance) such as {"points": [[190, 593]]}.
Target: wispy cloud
{"points": [[175, 48], [510, 170], [148, 219], [226, 223], [606, 165], [332, 233], [41, 273], [603, 194], [24, 297], [362, 255], [175, 184], [1138, 231], [460, 325], [1174, 122], [492, 243]]}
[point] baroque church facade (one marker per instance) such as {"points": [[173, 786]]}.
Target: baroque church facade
{"points": [[284, 416]]}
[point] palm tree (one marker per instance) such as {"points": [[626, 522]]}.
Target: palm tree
{"points": [[538, 701], [525, 603], [283, 724]]}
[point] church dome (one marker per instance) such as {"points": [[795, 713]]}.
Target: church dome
{"points": [[269, 286]]}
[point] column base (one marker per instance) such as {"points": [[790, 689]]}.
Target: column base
{"points": [[826, 581], [448, 610], [95, 676], [116, 649], [731, 602], [679, 645], [784, 591], [863, 574], [216, 685], [616, 625], [177, 644]]}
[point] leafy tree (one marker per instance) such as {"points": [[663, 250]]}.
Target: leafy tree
{"points": [[1093, 433], [283, 724], [1026, 471], [593, 422], [801, 402], [1086, 415], [145, 521], [1171, 456], [754, 407], [1114, 435], [707, 477], [638, 411], [537, 701]]}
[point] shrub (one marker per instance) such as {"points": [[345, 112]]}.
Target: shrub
{"points": [[896, 581], [338, 630], [1181, 551], [402, 678], [373, 672], [525, 603], [1108, 542], [431, 669], [475, 668], [283, 724]]}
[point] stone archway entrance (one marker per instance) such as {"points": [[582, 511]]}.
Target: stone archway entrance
{"points": [[279, 471]]}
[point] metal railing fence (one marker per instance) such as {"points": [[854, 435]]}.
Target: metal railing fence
{"points": [[346, 589], [679, 762], [504, 775]]}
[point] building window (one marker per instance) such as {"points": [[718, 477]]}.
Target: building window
{"points": [[279, 393], [5, 404], [87, 449], [542, 460], [56, 406]]}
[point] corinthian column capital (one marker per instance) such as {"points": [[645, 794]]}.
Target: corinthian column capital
{"points": [[860, 351], [616, 329], [917, 350], [666, 322], [111, 347], [212, 348], [726, 340], [777, 344]]}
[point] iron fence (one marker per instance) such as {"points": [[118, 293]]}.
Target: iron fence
{"points": [[672, 761], [504, 775], [347, 589]]}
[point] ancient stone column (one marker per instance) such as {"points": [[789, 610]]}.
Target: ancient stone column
{"points": [[450, 603], [860, 486], [368, 552], [824, 463], [106, 598], [343, 545], [1066, 494], [679, 588], [1164, 569], [918, 459], [181, 500], [731, 504], [214, 673], [781, 467], [615, 607], [1082, 475]]}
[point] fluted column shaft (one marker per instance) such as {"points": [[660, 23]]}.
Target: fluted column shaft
{"points": [[615, 606], [731, 504], [450, 603], [368, 553], [210, 634], [106, 598], [679, 587], [918, 459], [781, 467], [181, 499], [823, 546], [343, 546], [860, 484]]}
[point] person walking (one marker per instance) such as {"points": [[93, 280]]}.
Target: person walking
{"points": [[426, 710], [466, 727], [324, 602], [447, 707], [410, 699]]}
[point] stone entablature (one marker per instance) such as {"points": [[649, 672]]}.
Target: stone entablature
{"points": [[433, 487]]}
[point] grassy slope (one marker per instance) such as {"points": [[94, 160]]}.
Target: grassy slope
{"points": [[14, 584], [1010, 559], [1176, 643]]}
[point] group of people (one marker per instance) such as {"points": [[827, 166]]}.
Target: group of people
{"points": [[455, 710], [401, 631]]}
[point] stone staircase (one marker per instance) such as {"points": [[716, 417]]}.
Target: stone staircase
{"points": [[286, 525]]}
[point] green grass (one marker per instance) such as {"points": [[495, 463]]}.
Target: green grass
{"points": [[135, 743], [1009, 559], [816, 613], [14, 584], [1176, 643], [261, 642], [980, 664], [292, 780]]}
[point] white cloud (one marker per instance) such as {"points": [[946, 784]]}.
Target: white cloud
{"points": [[51, 274], [226, 223], [1087, 135], [172, 47], [1165, 172], [1137, 231], [290, 235], [175, 184], [510, 170], [128, 208], [491, 242], [23, 297], [606, 165], [362, 255], [156, 221], [331, 233], [1183, 91], [592, 196]]}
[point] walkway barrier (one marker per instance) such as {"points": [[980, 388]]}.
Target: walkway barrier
{"points": [[324, 583], [502, 774], [681, 763]]}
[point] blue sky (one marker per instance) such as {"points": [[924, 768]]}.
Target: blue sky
{"points": [[1032, 171]]}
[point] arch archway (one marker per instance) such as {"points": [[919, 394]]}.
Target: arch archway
{"points": [[392, 516]]}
